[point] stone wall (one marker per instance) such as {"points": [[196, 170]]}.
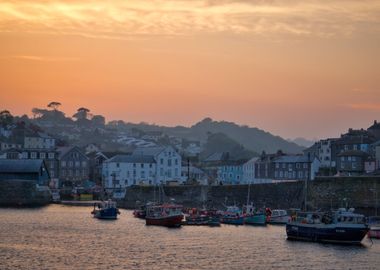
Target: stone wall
{"points": [[14, 193], [323, 193]]}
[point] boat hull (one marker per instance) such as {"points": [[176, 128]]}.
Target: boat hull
{"points": [[374, 233], [232, 220], [326, 233], [256, 220], [110, 213], [168, 221]]}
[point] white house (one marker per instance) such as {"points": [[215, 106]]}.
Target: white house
{"points": [[249, 171], [168, 162], [126, 170], [324, 153]]}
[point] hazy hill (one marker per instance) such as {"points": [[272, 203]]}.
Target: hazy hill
{"points": [[219, 142], [251, 138]]}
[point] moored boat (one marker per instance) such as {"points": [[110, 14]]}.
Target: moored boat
{"points": [[168, 215], [253, 216], [342, 226], [374, 227], [279, 216], [105, 210], [233, 215], [201, 217]]}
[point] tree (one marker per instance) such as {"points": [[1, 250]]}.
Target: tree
{"points": [[98, 120], [6, 118], [54, 105], [81, 114]]}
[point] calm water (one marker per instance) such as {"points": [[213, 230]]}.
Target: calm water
{"points": [[64, 237]]}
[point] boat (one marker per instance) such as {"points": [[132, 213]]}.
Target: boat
{"points": [[253, 216], [233, 215], [105, 210], [201, 217], [341, 227], [140, 213], [374, 227], [278, 216], [168, 215]]}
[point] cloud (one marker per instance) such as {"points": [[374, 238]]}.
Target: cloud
{"points": [[365, 106], [42, 58], [129, 19]]}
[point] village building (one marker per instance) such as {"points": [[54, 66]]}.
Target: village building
{"points": [[73, 166]]}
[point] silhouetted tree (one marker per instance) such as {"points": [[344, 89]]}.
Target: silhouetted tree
{"points": [[6, 118], [98, 120], [82, 113], [54, 105]]}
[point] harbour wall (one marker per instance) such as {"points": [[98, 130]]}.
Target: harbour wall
{"points": [[22, 193], [322, 193]]}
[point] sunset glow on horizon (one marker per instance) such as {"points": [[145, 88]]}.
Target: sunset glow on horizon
{"points": [[294, 68]]}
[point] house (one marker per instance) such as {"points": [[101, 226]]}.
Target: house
{"points": [[231, 173], [96, 160], [24, 169], [374, 130], [192, 173], [49, 156], [264, 165], [126, 170], [351, 162], [91, 147], [73, 166], [38, 140], [295, 167], [168, 162], [153, 135], [249, 171], [9, 144]]}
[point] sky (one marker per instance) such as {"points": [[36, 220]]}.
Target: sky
{"points": [[294, 68]]}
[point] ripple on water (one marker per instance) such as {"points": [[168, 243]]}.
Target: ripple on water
{"points": [[61, 237]]}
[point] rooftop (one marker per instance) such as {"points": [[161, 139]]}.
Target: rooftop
{"points": [[20, 165]]}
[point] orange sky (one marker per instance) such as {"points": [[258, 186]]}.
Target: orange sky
{"points": [[291, 67]]}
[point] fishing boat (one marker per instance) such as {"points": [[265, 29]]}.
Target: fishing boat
{"points": [[253, 216], [140, 212], [374, 227], [233, 215], [201, 217], [105, 210], [279, 216], [342, 227], [168, 215]]}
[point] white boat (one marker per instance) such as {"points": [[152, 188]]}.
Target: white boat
{"points": [[279, 216]]}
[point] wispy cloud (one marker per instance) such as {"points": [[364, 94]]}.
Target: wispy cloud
{"points": [[125, 19], [42, 58], [365, 106]]}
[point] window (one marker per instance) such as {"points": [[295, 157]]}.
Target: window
{"points": [[283, 165], [150, 165], [345, 147], [84, 173], [63, 163], [162, 161], [176, 161], [77, 163], [52, 174], [281, 174], [353, 158], [51, 165], [355, 147], [70, 173], [117, 165], [51, 155], [42, 155], [63, 173], [286, 174], [142, 165], [349, 158], [142, 174], [77, 173], [33, 155], [161, 172], [176, 172], [71, 163], [84, 163], [275, 174], [342, 159], [169, 162], [298, 165], [134, 165], [169, 173], [300, 174], [277, 165], [305, 165]]}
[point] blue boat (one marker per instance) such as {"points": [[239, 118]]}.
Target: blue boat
{"points": [[254, 217], [105, 210], [342, 227], [233, 215]]}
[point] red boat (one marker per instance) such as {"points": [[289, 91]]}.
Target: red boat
{"points": [[168, 215]]}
